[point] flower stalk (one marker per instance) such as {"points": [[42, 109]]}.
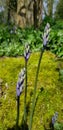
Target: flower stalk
{"points": [[45, 42], [26, 56], [35, 87], [25, 96], [19, 90], [17, 121]]}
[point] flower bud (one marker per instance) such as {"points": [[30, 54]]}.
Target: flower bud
{"points": [[46, 35], [27, 52], [20, 82]]}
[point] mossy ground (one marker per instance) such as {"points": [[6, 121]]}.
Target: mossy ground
{"points": [[49, 90]]}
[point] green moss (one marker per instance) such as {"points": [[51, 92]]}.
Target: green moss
{"points": [[49, 90]]}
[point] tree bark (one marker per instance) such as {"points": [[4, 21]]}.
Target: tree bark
{"points": [[28, 12], [50, 7], [37, 11]]}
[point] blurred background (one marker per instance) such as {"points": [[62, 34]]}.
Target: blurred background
{"points": [[23, 21], [30, 12]]}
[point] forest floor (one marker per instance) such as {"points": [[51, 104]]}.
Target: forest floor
{"points": [[49, 90]]}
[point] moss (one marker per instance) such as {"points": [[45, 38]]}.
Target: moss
{"points": [[49, 92]]}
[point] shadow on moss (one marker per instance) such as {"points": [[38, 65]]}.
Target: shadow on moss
{"points": [[23, 127]]}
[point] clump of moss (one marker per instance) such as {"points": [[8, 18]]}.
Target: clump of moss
{"points": [[49, 94]]}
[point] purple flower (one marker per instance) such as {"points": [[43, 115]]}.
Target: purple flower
{"points": [[46, 34], [27, 51], [54, 118], [18, 90], [20, 82]]}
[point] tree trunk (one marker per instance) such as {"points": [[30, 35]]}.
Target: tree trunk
{"points": [[12, 7], [8, 5], [29, 12], [37, 11], [50, 7]]}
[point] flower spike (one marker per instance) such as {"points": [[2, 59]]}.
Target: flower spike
{"points": [[27, 52], [20, 82], [46, 35]]}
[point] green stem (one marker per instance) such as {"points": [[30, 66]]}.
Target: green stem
{"points": [[35, 87], [17, 121], [25, 96]]}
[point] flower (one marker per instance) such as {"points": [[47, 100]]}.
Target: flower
{"points": [[54, 118], [46, 34], [20, 82], [27, 52]]}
